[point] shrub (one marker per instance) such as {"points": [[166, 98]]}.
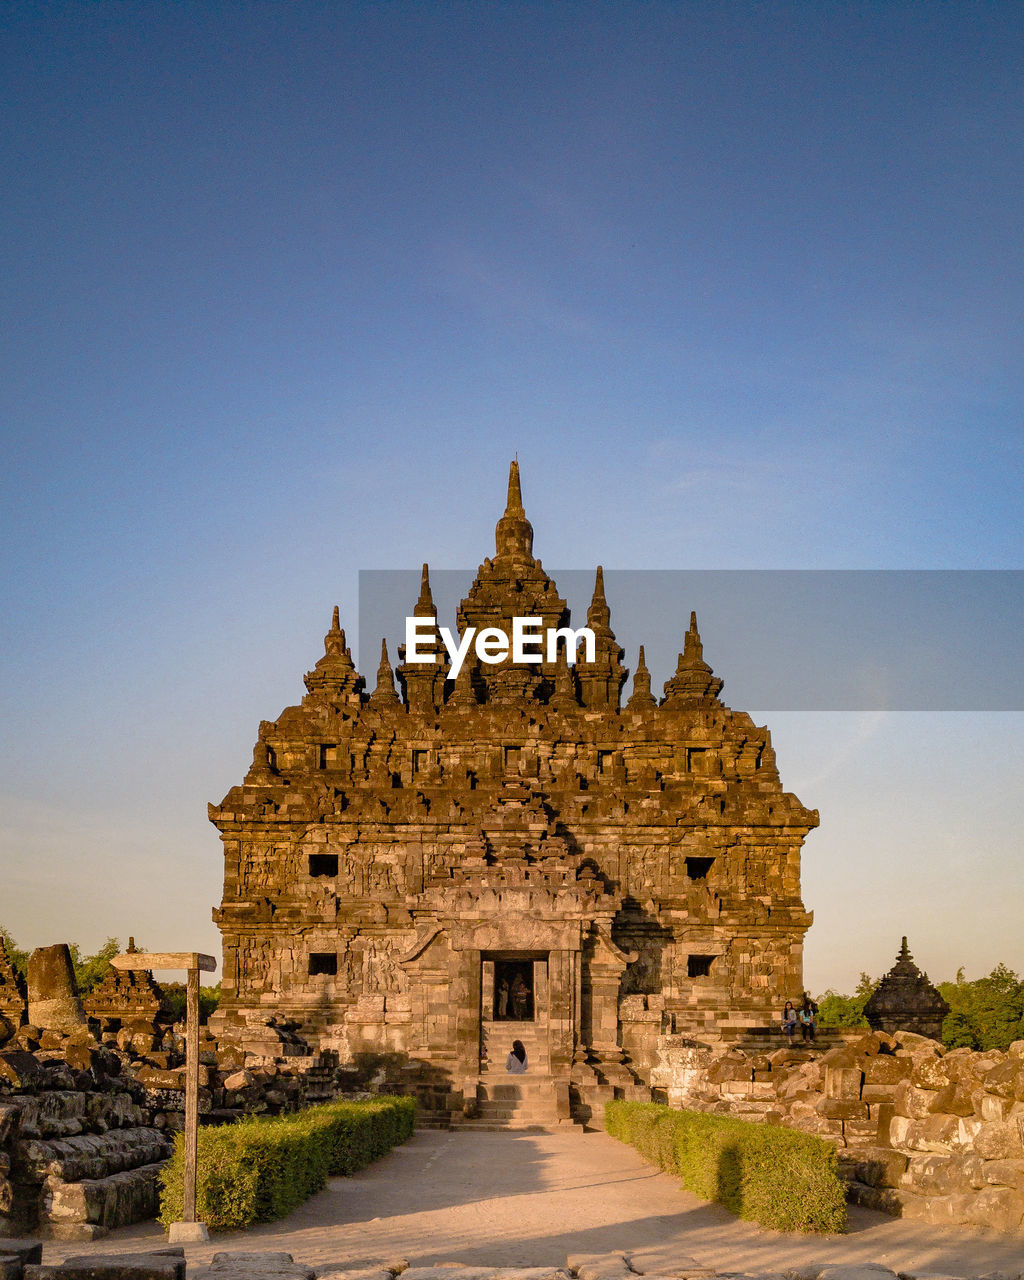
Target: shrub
{"points": [[261, 1169], [773, 1176]]}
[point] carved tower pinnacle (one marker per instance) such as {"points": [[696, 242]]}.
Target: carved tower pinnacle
{"points": [[335, 678], [601, 681], [694, 680], [513, 534], [641, 699], [423, 682]]}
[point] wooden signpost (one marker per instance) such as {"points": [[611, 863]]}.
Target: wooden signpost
{"points": [[192, 962]]}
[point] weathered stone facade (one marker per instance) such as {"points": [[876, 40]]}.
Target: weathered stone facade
{"points": [[393, 864]]}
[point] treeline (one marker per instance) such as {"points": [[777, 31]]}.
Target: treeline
{"points": [[987, 1013], [90, 970]]}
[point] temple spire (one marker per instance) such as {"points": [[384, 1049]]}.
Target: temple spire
{"points": [[335, 676], [514, 503], [641, 699], [513, 536], [423, 681], [563, 697], [601, 681], [599, 615], [425, 607], [694, 680], [385, 694]]}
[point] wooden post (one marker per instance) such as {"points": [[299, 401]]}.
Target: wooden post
{"points": [[192, 962], [191, 1094]]}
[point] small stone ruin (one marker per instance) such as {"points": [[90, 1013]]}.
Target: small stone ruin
{"points": [[906, 1001]]}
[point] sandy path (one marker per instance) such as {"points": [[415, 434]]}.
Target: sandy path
{"points": [[531, 1198]]}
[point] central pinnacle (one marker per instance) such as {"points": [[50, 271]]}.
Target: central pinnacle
{"points": [[513, 537]]}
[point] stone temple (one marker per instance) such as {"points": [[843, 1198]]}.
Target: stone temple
{"points": [[419, 875]]}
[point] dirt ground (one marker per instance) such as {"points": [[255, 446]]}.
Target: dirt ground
{"points": [[532, 1198]]}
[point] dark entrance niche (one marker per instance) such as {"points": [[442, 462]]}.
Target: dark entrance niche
{"points": [[513, 991], [698, 868], [323, 962], [698, 966], [323, 864]]}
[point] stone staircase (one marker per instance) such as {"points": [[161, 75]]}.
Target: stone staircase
{"points": [[81, 1186], [534, 1100], [496, 1042]]}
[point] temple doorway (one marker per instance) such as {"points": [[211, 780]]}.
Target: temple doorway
{"points": [[515, 999]]}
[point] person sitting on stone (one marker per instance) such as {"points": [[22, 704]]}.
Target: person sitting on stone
{"points": [[516, 1062], [789, 1021], [808, 1011]]}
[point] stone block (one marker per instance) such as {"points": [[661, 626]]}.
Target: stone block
{"points": [[1000, 1208], [991, 1107], [1008, 1173], [843, 1109], [10, 1118], [911, 1101], [952, 1100], [880, 1166], [935, 1175], [843, 1082], [25, 1250], [1006, 1079], [53, 1002], [123, 1266], [594, 1266], [19, 1068], [999, 1141], [881, 1199], [253, 1266], [855, 1271]]}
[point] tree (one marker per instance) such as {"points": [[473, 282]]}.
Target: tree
{"points": [[174, 994], [836, 1010], [91, 970], [987, 1013], [17, 955]]}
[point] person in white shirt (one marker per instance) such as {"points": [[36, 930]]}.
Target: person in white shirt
{"points": [[516, 1062]]}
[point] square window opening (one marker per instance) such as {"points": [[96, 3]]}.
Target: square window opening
{"points": [[698, 966], [698, 868], [323, 962], [323, 864]]}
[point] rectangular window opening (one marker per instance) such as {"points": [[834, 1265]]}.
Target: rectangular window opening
{"points": [[696, 758], [698, 868], [420, 759], [323, 864], [604, 761], [512, 758], [328, 755], [698, 966], [323, 962]]}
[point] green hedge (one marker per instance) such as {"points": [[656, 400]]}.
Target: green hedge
{"points": [[773, 1176], [261, 1169]]}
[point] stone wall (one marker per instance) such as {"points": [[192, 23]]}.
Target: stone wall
{"points": [[86, 1124], [922, 1132]]}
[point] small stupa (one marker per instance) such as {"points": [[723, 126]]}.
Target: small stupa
{"points": [[906, 1001]]}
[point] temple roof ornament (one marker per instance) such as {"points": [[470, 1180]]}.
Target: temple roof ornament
{"points": [[641, 699], [385, 694], [513, 535], [694, 680], [335, 678]]}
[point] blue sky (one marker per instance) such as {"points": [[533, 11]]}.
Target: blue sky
{"points": [[283, 286]]}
